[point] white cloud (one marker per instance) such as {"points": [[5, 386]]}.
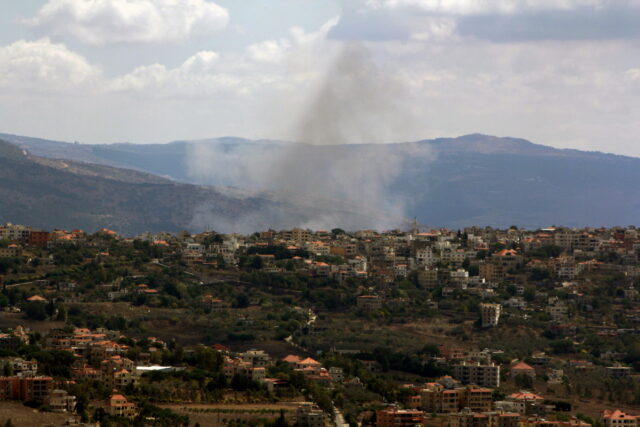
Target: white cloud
{"points": [[634, 73], [464, 7], [201, 75], [269, 50], [432, 28], [99, 22], [42, 66], [299, 42], [270, 66]]}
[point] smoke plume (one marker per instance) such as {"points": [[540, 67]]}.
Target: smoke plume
{"points": [[338, 172]]}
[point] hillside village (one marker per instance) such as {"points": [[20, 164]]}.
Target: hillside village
{"points": [[449, 328]]}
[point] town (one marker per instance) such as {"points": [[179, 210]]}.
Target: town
{"points": [[478, 327]]}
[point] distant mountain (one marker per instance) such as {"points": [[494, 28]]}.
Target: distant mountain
{"points": [[473, 179], [50, 193]]}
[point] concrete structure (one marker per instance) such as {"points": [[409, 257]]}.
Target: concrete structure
{"points": [[394, 417], [617, 418], [487, 375], [309, 415], [490, 314]]}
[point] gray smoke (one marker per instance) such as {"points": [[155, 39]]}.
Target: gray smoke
{"points": [[338, 172]]}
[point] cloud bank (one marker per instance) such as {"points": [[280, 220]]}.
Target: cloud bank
{"points": [[100, 22], [43, 66]]}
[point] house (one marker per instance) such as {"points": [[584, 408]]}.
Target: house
{"points": [[524, 400], [523, 369], [309, 415], [617, 418], [369, 302], [394, 417], [11, 251], [18, 366], [213, 304], [61, 401], [256, 358], [618, 372], [310, 366], [118, 406]]}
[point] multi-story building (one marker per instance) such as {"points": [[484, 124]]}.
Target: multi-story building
{"points": [[434, 397], [18, 366], [25, 388], [119, 406], [487, 375], [256, 358], [617, 418], [476, 419], [61, 401], [394, 417], [309, 415], [490, 314]]}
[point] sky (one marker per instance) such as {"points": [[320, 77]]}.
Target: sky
{"points": [[564, 73]]}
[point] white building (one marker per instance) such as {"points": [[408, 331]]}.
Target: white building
{"points": [[490, 314]]}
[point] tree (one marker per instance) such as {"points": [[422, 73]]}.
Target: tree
{"points": [[539, 274], [242, 301], [524, 381], [36, 311], [256, 263]]}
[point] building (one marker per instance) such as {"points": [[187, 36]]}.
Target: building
{"points": [[394, 417], [212, 304], [524, 402], [25, 388], [369, 302], [11, 251], [476, 419], [490, 314], [118, 406], [487, 375], [256, 358], [60, 401], [543, 422], [18, 366], [309, 415], [437, 398], [39, 238], [523, 369], [618, 372], [617, 418]]}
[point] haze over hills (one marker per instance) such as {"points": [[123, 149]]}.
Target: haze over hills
{"points": [[454, 182], [51, 193]]}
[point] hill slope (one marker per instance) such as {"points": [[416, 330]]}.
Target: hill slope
{"points": [[48, 194], [474, 179]]}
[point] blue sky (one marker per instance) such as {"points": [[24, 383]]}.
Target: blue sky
{"points": [[558, 72]]}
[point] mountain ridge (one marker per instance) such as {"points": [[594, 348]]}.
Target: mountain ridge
{"points": [[32, 142], [470, 180]]}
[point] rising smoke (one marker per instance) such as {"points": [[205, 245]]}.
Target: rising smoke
{"points": [[338, 172]]}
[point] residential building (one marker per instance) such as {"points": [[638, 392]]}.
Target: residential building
{"points": [[60, 401], [394, 417], [490, 314], [119, 406], [617, 418], [309, 415], [484, 375]]}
